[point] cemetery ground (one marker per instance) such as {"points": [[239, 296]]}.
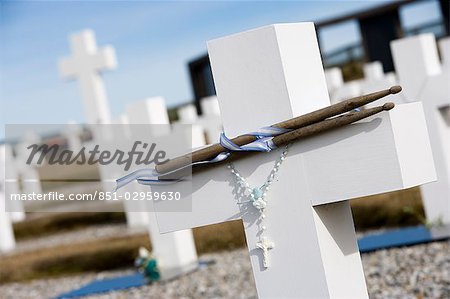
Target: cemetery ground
{"points": [[58, 252]]}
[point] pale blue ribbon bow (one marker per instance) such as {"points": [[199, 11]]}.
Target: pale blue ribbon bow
{"points": [[263, 143]]}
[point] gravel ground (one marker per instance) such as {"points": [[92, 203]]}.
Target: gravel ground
{"points": [[421, 271]]}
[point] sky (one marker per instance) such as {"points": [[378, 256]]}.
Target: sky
{"points": [[153, 40]]}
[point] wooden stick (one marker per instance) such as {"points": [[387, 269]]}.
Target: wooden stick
{"points": [[297, 135], [328, 124], [294, 123]]}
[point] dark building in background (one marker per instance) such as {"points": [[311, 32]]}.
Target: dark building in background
{"points": [[378, 26], [201, 79], [445, 8]]}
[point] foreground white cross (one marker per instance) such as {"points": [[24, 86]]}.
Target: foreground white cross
{"points": [[86, 65], [271, 74], [423, 79]]}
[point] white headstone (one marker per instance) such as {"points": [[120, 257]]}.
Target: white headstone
{"points": [[349, 90], [210, 106], [271, 74], [373, 70], [187, 114], [334, 79], [444, 48], [73, 133], [417, 63], [176, 252], [29, 174], [210, 120], [112, 171], [11, 174], [375, 79], [7, 241], [149, 111], [86, 66]]}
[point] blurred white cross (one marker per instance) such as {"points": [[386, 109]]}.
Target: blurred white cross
{"points": [[86, 64]]}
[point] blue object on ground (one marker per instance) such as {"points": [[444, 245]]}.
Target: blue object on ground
{"points": [[117, 283], [107, 285], [402, 237]]}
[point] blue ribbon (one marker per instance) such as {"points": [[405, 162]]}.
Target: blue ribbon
{"points": [[263, 143]]}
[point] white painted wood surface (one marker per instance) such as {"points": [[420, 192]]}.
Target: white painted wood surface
{"points": [[271, 74], [423, 79], [86, 66]]}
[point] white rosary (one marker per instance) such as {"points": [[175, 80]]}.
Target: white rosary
{"points": [[257, 197]]}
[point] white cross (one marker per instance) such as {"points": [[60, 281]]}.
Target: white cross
{"points": [[334, 79], [444, 47], [423, 79], [31, 182], [210, 119], [12, 186], [73, 132], [86, 64], [7, 240], [375, 79], [270, 74], [264, 244], [209, 122], [176, 252], [348, 90]]}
